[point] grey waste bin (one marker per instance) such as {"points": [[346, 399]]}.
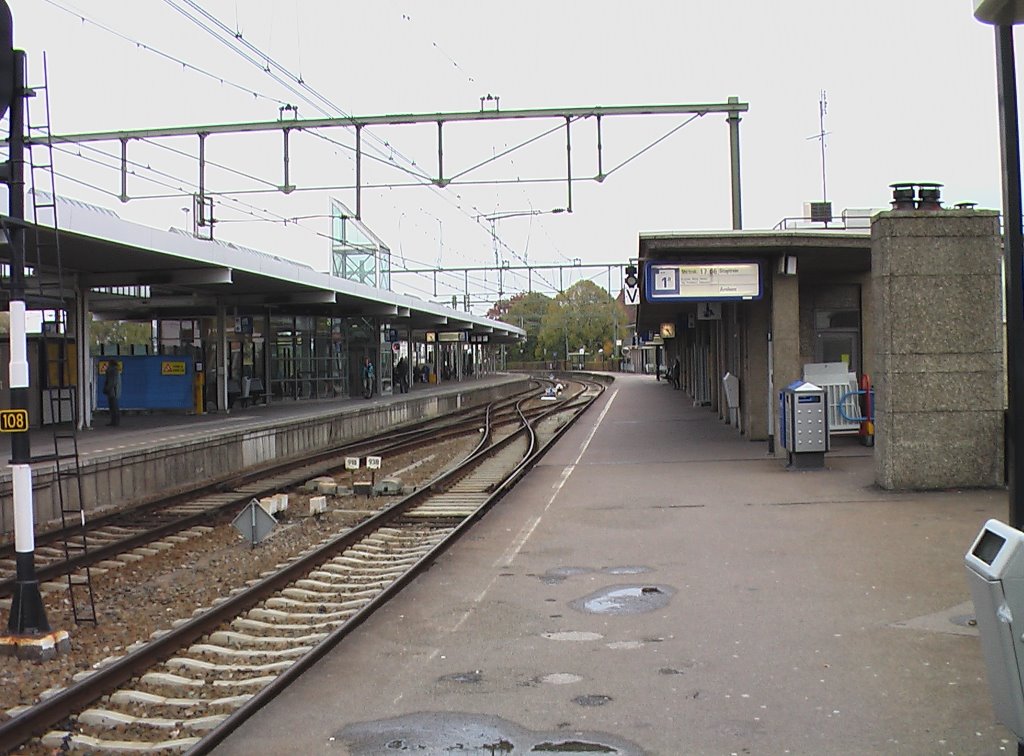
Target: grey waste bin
{"points": [[805, 423]]}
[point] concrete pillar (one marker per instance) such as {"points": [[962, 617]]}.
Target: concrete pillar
{"points": [[939, 374], [754, 375], [785, 324], [84, 391], [222, 357]]}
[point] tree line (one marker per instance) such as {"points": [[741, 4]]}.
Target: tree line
{"points": [[583, 316]]}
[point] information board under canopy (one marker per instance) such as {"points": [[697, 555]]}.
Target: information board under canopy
{"points": [[702, 281]]}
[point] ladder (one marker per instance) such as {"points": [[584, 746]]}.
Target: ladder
{"points": [[68, 479], [59, 379]]}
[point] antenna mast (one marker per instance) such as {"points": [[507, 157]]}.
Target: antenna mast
{"points": [[822, 109]]}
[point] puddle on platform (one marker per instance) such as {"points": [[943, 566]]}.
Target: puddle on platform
{"points": [[592, 700], [625, 599], [463, 677], [440, 733], [573, 635], [559, 574], [628, 570], [558, 678]]}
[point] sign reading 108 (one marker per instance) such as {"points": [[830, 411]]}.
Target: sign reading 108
{"points": [[13, 420]]}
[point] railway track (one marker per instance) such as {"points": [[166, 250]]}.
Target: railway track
{"points": [[186, 514], [191, 686]]}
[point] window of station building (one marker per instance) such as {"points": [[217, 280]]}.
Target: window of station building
{"points": [[839, 318]]}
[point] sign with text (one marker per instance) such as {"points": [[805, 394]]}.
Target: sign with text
{"points": [[13, 420], [703, 281], [451, 336], [172, 368], [351, 463], [373, 463]]}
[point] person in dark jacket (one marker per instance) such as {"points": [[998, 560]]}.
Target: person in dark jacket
{"points": [[402, 376], [369, 379], [112, 390]]}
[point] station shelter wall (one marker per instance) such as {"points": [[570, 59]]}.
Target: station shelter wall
{"points": [[148, 381], [293, 357], [822, 317]]}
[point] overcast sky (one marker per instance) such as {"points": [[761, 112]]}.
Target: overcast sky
{"points": [[910, 97]]}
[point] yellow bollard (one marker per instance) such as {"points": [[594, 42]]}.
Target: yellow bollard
{"points": [[198, 392]]}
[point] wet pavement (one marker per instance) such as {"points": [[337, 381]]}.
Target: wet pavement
{"points": [[802, 613]]}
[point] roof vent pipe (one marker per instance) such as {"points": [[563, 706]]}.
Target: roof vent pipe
{"points": [[903, 197], [929, 197]]}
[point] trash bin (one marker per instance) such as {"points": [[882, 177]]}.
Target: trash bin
{"points": [[805, 425]]}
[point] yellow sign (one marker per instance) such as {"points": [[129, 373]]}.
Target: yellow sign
{"points": [[172, 368], [13, 421]]}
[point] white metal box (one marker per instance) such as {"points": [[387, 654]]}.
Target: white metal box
{"points": [[995, 568]]}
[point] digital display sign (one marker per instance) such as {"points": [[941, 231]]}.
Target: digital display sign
{"points": [[702, 281]]}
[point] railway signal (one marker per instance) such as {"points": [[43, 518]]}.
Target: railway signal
{"points": [[631, 286]]}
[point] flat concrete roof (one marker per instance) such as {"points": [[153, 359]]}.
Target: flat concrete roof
{"points": [[818, 251], [760, 241], [189, 277]]}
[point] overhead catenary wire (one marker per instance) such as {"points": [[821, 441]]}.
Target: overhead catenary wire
{"points": [[168, 56], [268, 62], [265, 65], [230, 37], [181, 191]]}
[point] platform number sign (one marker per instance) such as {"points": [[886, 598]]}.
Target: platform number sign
{"points": [[13, 420], [631, 287]]}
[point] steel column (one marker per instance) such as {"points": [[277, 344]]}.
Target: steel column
{"points": [[734, 162], [1013, 241]]}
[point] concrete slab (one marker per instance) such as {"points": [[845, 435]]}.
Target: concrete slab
{"points": [[793, 624]]}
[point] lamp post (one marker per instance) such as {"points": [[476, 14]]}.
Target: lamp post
{"points": [[1004, 14]]}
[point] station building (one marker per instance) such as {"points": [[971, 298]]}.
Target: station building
{"points": [[232, 324], [911, 303], [757, 305]]}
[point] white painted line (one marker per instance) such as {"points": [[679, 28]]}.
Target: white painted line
{"points": [[524, 535], [530, 526]]}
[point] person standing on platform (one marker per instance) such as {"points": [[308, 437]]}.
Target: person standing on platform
{"points": [[402, 368], [369, 378], [112, 390], [676, 369]]}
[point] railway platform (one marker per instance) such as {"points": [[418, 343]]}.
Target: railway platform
{"points": [[659, 585], [155, 453]]}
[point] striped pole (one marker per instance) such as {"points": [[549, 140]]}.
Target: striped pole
{"points": [[28, 616]]}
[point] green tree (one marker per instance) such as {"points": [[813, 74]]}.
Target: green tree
{"points": [[584, 315], [525, 310], [120, 332]]}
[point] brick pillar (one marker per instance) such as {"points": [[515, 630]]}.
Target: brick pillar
{"points": [[938, 337]]}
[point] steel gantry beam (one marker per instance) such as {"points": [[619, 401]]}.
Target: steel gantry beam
{"points": [[732, 108]]}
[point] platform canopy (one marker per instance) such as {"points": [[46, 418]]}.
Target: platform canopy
{"points": [[134, 272], [814, 253]]}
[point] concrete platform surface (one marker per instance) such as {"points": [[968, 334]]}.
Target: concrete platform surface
{"points": [[660, 585], [144, 430]]}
